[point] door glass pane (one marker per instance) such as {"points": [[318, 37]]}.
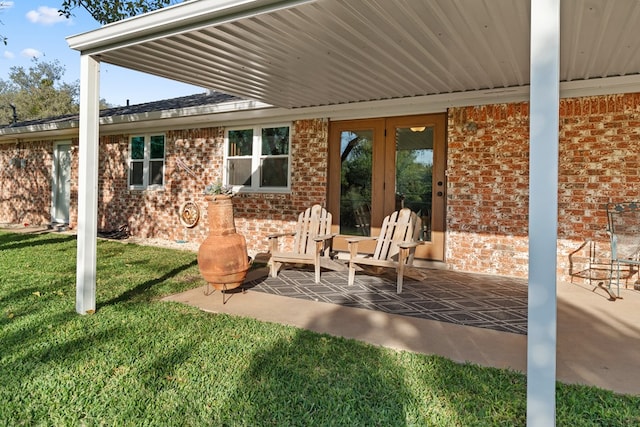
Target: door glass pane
{"points": [[355, 188], [414, 172]]}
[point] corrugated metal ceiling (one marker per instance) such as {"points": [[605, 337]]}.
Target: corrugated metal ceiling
{"points": [[334, 51]]}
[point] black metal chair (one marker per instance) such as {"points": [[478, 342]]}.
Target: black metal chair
{"points": [[624, 233]]}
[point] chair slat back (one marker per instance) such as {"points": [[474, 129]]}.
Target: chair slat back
{"points": [[401, 226], [363, 219], [624, 228], [314, 221]]}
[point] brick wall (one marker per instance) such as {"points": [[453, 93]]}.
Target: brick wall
{"points": [[154, 213], [487, 205], [487, 195], [25, 182], [258, 215]]}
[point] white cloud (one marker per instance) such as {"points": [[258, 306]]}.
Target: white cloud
{"points": [[31, 53], [45, 15], [6, 5], [8, 54]]}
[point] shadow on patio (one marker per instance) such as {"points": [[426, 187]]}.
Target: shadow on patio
{"points": [[465, 317]]}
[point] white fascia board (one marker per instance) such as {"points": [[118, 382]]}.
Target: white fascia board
{"points": [[236, 107], [600, 86], [39, 132], [235, 113], [441, 102], [176, 19]]}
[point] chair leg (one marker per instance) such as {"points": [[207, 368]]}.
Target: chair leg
{"points": [[614, 266], [618, 280], [352, 273], [402, 259], [275, 266], [317, 262], [317, 272], [353, 250]]}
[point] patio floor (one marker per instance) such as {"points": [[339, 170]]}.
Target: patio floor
{"points": [[490, 302], [472, 318]]}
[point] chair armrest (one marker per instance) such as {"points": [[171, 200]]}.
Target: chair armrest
{"points": [[275, 236], [360, 239], [325, 237], [409, 245]]}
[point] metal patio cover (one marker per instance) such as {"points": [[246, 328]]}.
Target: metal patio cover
{"points": [[324, 52], [315, 53]]}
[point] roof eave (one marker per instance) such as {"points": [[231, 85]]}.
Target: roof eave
{"points": [[244, 111], [175, 19]]}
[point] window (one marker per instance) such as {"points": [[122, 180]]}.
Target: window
{"points": [[146, 164], [257, 158]]}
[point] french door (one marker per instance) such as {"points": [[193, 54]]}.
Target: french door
{"points": [[377, 166]]}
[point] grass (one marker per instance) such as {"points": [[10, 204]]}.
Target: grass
{"points": [[140, 361]]}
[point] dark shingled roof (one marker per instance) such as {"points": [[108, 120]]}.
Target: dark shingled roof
{"points": [[197, 100]]}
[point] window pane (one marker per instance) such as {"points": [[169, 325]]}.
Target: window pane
{"points": [[274, 172], [157, 147], [239, 171], [155, 172], [137, 147], [356, 151], [275, 141], [240, 142], [135, 173]]}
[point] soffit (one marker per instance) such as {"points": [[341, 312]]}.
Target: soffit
{"points": [[327, 52]]}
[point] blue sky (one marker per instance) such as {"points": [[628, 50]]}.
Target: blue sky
{"points": [[35, 30]]}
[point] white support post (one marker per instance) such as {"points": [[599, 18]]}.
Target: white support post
{"points": [[543, 212], [88, 185]]}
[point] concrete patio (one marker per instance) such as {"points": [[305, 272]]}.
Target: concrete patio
{"points": [[597, 336]]}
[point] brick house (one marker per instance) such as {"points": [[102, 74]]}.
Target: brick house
{"points": [[487, 175], [521, 143]]}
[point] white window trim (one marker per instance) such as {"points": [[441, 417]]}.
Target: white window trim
{"points": [[255, 159], [145, 162]]}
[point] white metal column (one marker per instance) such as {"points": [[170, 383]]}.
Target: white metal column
{"points": [[543, 211], [88, 185]]}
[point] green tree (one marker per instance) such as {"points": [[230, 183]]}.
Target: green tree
{"points": [[115, 10], [37, 93]]}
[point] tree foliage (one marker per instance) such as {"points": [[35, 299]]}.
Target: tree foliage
{"points": [[115, 10], [37, 93]]}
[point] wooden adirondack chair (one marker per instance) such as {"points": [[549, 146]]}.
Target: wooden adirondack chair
{"points": [[312, 241], [395, 247]]}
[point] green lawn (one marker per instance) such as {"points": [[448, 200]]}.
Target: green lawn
{"points": [[139, 361]]}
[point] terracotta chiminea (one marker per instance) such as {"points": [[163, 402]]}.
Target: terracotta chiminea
{"points": [[222, 257]]}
